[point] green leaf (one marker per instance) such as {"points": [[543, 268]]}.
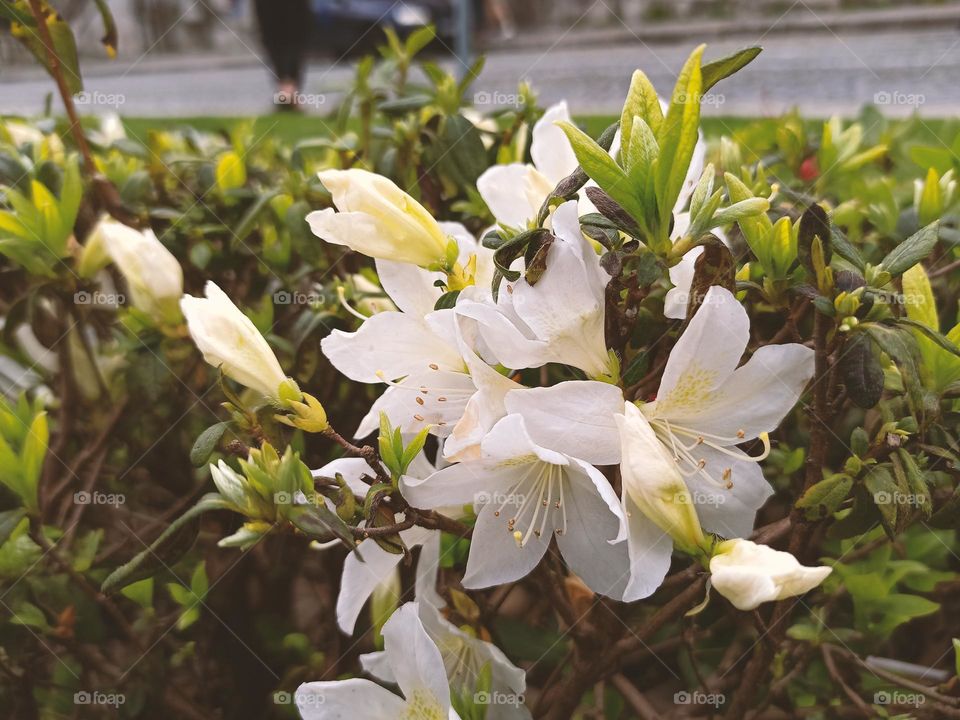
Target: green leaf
{"points": [[603, 169], [140, 592], [320, 523], [678, 136], [825, 497], [912, 250], [845, 249], [641, 103], [64, 44], [9, 520], [110, 36], [31, 459], [172, 544], [714, 72], [206, 443]]}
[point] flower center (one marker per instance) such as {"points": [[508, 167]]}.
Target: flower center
{"points": [[539, 494], [684, 442]]}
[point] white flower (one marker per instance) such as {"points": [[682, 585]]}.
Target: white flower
{"points": [[230, 341], [417, 667], [378, 219], [706, 405], [560, 318], [748, 574], [434, 376], [154, 276], [523, 495], [465, 658], [515, 192]]}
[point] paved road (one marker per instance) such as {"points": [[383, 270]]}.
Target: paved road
{"points": [[822, 74]]}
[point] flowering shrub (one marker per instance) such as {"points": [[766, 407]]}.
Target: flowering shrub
{"points": [[643, 423]]}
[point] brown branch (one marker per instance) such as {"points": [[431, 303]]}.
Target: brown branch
{"points": [[635, 698]]}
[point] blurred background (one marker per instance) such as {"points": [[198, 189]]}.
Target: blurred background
{"points": [[208, 57]]}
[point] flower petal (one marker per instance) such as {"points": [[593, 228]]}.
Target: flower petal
{"points": [[393, 343], [410, 287], [502, 188], [550, 149], [495, 557], [705, 356], [681, 277], [757, 396], [432, 397], [594, 520], [460, 484], [362, 572], [574, 417], [649, 549], [728, 512], [415, 658], [355, 698]]}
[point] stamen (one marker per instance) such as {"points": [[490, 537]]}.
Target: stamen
{"points": [[342, 297]]}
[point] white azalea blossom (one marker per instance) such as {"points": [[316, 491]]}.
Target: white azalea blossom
{"points": [[433, 374], [377, 218], [230, 341], [524, 495], [465, 658], [561, 317], [154, 276], [515, 192], [417, 668], [706, 405], [748, 574]]}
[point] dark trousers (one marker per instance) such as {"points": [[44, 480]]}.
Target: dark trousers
{"points": [[285, 32]]}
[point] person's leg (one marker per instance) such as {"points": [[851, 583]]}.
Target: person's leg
{"points": [[269, 21], [297, 29]]}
